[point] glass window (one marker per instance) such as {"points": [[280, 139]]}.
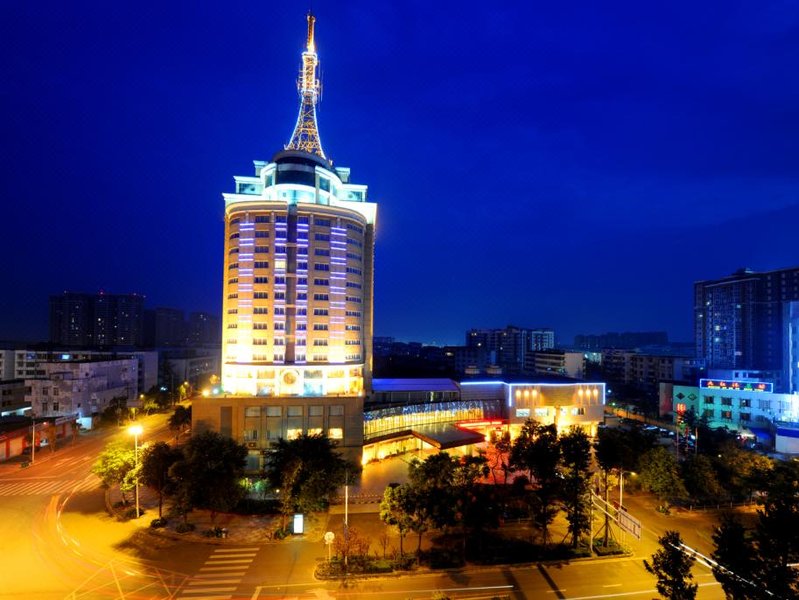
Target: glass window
{"points": [[336, 433], [252, 411], [337, 410], [316, 411], [273, 411], [295, 411]]}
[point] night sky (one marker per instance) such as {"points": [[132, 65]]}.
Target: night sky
{"points": [[567, 164]]}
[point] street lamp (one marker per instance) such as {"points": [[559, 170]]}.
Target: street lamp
{"points": [[135, 431]]}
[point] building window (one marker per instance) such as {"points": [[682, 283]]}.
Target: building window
{"points": [[321, 252], [295, 411], [273, 411], [261, 295], [316, 411], [321, 222], [261, 280], [321, 267], [320, 342], [262, 219], [321, 282], [709, 399], [320, 327], [250, 435], [260, 264], [322, 237], [293, 434], [55, 406], [746, 416], [262, 234], [335, 433], [726, 415], [321, 297], [320, 312], [337, 410], [745, 403]]}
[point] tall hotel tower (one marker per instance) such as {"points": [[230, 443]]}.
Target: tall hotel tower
{"points": [[298, 290]]}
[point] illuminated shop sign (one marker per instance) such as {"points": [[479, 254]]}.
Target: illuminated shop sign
{"points": [[737, 386]]}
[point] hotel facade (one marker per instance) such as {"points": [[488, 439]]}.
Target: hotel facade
{"points": [[298, 293]]}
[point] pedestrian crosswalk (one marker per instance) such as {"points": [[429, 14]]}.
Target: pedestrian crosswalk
{"points": [[46, 487], [220, 575]]}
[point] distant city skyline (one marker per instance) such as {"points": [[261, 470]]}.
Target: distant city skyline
{"points": [[575, 168]]}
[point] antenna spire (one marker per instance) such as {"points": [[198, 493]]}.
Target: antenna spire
{"points": [[306, 131]]}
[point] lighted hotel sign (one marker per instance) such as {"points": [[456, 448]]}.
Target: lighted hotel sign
{"points": [[736, 386]]}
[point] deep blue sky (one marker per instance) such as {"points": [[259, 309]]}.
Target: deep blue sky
{"points": [[575, 165]]}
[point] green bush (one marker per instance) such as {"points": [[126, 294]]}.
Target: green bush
{"points": [[131, 513], [185, 527], [158, 523]]}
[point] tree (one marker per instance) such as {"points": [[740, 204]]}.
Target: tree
{"points": [[156, 460], [576, 451], [116, 407], [660, 474], [307, 470], [672, 566], [537, 451], [614, 451], [700, 479], [116, 465], [743, 472], [432, 482], [775, 533], [735, 558], [180, 420], [498, 454], [396, 509], [209, 476], [474, 509]]}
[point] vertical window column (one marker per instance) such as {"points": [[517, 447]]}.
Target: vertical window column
{"points": [[338, 282], [279, 288], [245, 288]]}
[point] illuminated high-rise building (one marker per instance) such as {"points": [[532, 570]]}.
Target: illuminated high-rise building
{"points": [[297, 304]]}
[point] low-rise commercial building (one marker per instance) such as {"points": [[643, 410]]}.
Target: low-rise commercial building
{"points": [[81, 389]]}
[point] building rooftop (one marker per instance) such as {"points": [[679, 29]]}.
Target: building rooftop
{"points": [[414, 385]]}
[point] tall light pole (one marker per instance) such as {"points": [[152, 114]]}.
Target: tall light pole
{"points": [[135, 431], [33, 440]]}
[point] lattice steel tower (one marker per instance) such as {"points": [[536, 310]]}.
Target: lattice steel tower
{"points": [[306, 132]]}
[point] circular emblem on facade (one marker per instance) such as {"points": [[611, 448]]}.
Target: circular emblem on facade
{"points": [[289, 377]]}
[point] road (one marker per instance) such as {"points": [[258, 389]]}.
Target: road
{"points": [[65, 545], [55, 528]]}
